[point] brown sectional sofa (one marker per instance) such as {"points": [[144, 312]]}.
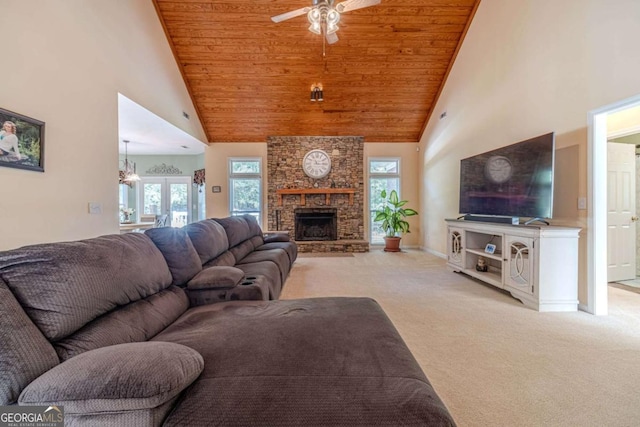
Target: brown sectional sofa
{"points": [[119, 330], [226, 259]]}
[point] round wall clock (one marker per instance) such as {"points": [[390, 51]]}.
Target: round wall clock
{"points": [[316, 164], [498, 169]]}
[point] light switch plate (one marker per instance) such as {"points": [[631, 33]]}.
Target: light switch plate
{"points": [[95, 208], [582, 203]]}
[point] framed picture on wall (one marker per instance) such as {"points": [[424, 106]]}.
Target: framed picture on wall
{"points": [[21, 141]]}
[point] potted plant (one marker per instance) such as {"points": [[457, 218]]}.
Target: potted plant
{"points": [[393, 216]]}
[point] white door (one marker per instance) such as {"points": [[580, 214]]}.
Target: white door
{"points": [[171, 196], [621, 212]]}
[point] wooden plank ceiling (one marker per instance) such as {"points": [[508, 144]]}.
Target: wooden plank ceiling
{"points": [[250, 78]]}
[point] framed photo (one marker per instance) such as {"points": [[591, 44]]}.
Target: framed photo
{"points": [[490, 248], [21, 141]]}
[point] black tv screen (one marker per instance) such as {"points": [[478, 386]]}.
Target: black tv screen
{"points": [[516, 180]]}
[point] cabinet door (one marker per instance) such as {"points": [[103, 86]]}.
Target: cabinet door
{"points": [[455, 247], [519, 263]]}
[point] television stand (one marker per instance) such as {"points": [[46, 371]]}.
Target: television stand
{"points": [[532, 220], [537, 264]]}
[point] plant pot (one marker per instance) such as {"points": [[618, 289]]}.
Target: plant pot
{"points": [[392, 244]]}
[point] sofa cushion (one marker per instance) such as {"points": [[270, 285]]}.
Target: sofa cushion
{"points": [[216, 278], [126, 382], [322, 361], [136, 322], [226, 259], [176, 247], [209, 239], [241, 250], [25, 353], [277, 256], [256, 241], [252, 222], [63, 286], [290, 247], [236, 228]]}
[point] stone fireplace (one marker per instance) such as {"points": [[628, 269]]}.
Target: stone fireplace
{"points": [[316, 224], [340, 194]]}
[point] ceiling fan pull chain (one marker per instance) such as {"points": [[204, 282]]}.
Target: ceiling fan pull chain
{"points": [[323, 40]]}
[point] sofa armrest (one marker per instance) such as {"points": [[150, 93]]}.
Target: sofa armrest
{"points": [[213, 284], [219, 277], [276, 236], [125, 384]]}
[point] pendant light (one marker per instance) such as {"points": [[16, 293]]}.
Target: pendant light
{"points": [[130, 174]]}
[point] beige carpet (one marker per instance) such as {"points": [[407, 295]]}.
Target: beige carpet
{"points": [[493, 361], [325, 255]]}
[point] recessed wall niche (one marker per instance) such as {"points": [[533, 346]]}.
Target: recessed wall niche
{"points": [[284, 166]]}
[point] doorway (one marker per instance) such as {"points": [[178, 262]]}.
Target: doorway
{"points": [[165, 195], [597, 192]]}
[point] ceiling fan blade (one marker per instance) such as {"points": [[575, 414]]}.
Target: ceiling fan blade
{"points": [[289, 15], [349, 5], [331, 38]]}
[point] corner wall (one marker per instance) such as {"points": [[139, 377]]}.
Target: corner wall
{"points": [[528, 67], [66, 61]]}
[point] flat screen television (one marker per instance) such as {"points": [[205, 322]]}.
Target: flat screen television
{"points": [[512, 181]]}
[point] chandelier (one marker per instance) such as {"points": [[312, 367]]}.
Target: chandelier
{"points": [[129, 168]]}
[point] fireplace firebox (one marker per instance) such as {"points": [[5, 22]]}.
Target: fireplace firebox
{"points": [[316, 224]]}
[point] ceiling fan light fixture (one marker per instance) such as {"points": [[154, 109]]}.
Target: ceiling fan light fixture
{"points": [[324, 15], [333, 17], [315, 28], [314, 16]]}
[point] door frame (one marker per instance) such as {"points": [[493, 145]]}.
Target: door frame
{"points": [[597, 299]]}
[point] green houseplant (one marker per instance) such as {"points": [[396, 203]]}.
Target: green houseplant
{"points": [[393, 216]]}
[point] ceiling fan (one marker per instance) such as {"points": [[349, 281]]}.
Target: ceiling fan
{"points": [[324, 16]]}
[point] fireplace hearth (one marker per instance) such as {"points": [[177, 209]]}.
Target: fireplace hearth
{"points": [[316, 224]]}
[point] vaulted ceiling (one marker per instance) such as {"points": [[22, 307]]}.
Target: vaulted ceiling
{"points": [[251, 78]]}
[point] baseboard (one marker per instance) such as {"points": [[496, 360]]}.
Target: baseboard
{"points": [[433, 252], [582, 307]]}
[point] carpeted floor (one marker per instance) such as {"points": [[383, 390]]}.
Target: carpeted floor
{"points": [[493, 361], [325, 255]]}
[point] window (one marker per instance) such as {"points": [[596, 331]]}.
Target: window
{"points": [[245, 187], [384, 174], [123, 195], [169, 195]]}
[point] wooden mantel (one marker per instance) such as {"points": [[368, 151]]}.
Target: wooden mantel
{"points": [[304, 191]]}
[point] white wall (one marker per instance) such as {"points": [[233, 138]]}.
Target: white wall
{"points": [[64, 63], [528, 67]]}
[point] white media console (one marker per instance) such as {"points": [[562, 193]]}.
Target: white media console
{"points": [[536, 264]]}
